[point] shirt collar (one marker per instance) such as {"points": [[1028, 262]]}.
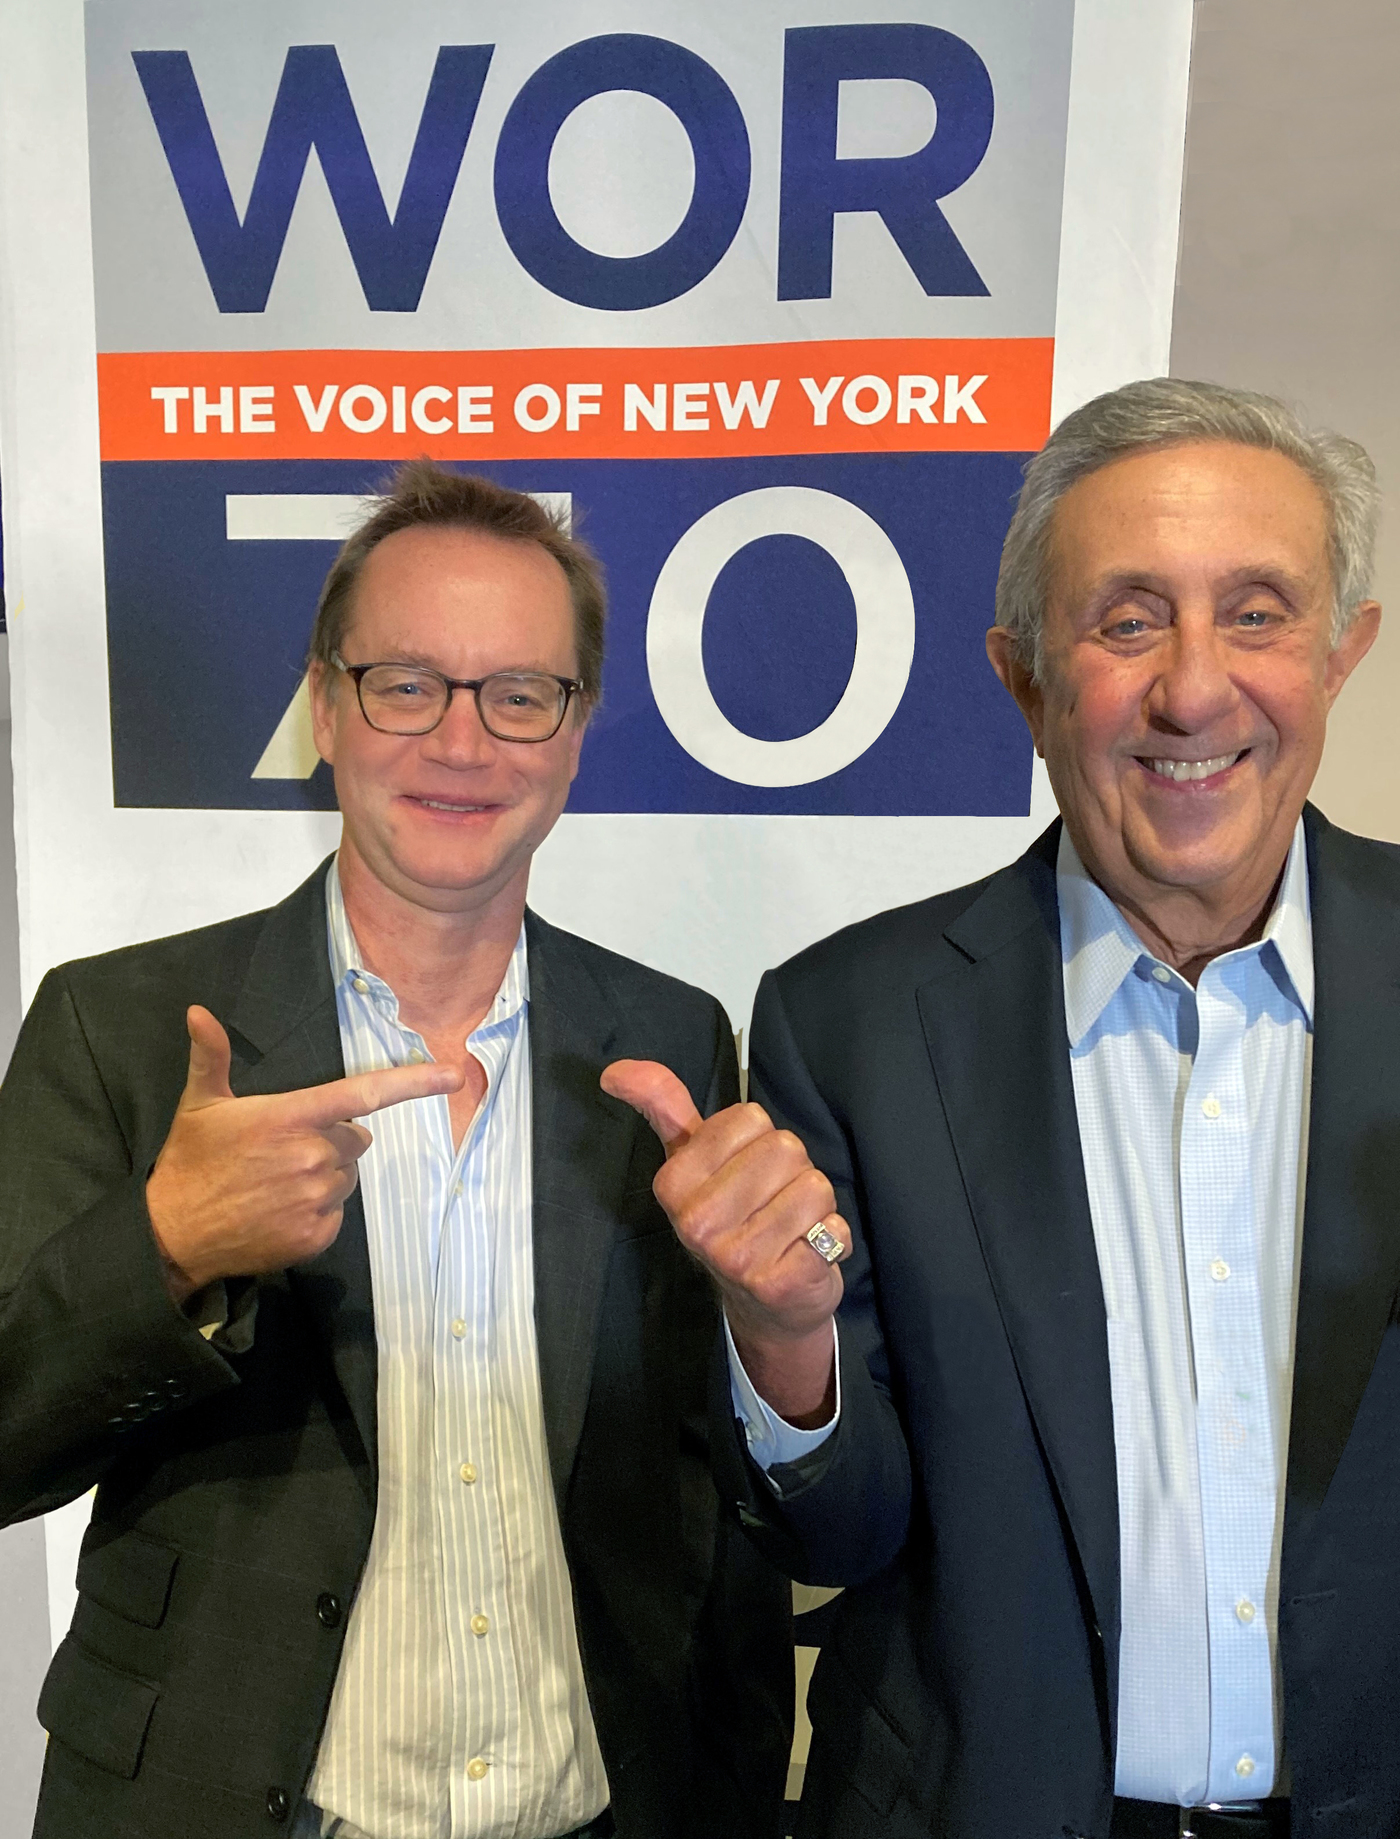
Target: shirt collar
{"points": [[348, 970], [1100, 948]]}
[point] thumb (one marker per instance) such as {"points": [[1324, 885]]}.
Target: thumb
{"points": [[655, 1091], [207, 1082]]}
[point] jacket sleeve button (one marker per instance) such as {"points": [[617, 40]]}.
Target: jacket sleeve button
{"points": [[279, 1803], [328, 1610]]}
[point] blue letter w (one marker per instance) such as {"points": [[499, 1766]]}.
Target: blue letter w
{"points": [[313, 109]]}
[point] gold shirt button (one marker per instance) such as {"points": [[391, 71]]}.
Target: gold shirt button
{"points": [[468, 1471], [479, 1625], [476, 1769]]}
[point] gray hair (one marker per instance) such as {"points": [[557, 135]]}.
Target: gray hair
{"points": [[1160, 412]]}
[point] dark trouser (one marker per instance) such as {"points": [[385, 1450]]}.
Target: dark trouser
{"points": [[1156, 1820]]}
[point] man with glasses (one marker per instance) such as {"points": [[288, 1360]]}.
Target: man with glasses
{"points": [[404, 1525]]}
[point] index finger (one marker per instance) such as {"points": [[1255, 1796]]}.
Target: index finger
{"points": [[343, 1099]]}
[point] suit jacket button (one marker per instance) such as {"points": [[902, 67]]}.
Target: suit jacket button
{"points": [[328, 1610], [279, 1803]]}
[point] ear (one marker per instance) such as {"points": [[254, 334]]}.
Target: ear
{"points": [[322, 685], [1017, 681], [1351, 648]]}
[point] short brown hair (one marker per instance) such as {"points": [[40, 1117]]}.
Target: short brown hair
{"points": [[422, 492]]}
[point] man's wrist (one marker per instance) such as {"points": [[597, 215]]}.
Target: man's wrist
{"points": [[178, 1281], [795, 1375]]}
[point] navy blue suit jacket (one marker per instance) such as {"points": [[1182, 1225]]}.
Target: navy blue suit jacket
{"points": [[968, 1498]]}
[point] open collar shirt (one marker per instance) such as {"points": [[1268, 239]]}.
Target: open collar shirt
{"points": [[1191, 1107], [460, 1709]]}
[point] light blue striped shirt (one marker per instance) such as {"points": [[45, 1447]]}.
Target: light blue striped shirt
{"points": [[459, 1710], [1191, 1108]]}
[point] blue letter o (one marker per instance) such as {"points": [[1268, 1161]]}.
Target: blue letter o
{"points": [[704, 105]]}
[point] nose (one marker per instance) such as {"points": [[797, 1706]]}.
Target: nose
{"points": [[459, 740], [1193, 687]]}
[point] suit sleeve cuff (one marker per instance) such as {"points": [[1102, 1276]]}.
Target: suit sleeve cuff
{"points": [[224, 1313], [772, 1441]]}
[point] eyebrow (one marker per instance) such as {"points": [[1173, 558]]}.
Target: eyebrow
{"points": [[1289, 588], [417, 660]]}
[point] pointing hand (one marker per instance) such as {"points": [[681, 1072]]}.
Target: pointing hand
{"points": [[247, 1185]]}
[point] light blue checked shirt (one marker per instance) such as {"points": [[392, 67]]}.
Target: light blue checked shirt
{"points": [[1191, 1109], [460, 1710]]}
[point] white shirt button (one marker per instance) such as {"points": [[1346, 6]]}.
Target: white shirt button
{"points": [[459, 1328], [1219, 1270], [1245, 1766], [480, 1625], [476, 1769], [360, 987], [1161, 974], [468, 1471], [1210, 1107], [1245, 1610], [416, 1056], [457, 1190]]}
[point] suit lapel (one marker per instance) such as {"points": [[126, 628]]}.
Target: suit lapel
{"points": [[1351, 1222], [995, 1027], [582, 1149], [286, 1036]]}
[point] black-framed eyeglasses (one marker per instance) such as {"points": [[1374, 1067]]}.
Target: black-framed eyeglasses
{"points": [[514, 705]]}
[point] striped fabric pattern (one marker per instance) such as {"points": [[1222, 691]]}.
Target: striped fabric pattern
{"points": [[460, 1710]]}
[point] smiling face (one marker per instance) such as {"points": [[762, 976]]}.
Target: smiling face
{"points": [[1188, 671], [449, 820]]}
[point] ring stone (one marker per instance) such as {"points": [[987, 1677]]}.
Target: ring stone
{"points": [[824, 1242]]}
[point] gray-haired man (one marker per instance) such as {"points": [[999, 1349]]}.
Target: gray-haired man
{"points": [[1107, 1450]]}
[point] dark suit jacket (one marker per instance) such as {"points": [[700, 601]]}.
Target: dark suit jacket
{"points": [[236, 1493], [969, 1688]]}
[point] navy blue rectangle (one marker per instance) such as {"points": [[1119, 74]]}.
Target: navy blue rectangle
{"points": [[207, 637]]}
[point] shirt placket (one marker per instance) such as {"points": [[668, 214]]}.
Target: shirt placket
{"points": [[486, 1763], [1233, 1430]]}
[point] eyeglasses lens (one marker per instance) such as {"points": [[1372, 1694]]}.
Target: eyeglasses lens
{"points": [[402, 701], [523, 707]]}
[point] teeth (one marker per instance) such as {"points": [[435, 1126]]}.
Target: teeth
{"points": [[1181, 770], [436, 804]]}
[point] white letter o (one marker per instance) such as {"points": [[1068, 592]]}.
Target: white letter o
{"points": [[883, 398], [884, 604], [545, 420], [373, 398]]}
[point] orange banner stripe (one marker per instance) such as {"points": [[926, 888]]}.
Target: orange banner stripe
{"points": [[847, 396]]}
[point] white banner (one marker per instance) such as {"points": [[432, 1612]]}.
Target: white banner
{"points": [[780, 297]]}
